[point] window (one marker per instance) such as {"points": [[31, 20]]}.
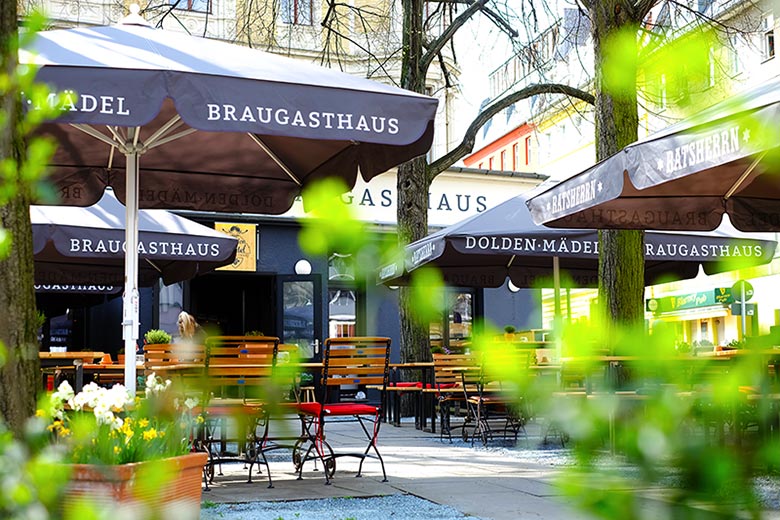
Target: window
{"points": [[515, 157], [453, 332], [735, 64], [296, 12], [657, 92], [201, 6], [768, 37], [345, 299], [503, 160], [528, 150], [171, 298], [490, 163], [298, 316]]}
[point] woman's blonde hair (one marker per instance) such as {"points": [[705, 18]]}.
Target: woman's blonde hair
{"points": [[187, 325]]}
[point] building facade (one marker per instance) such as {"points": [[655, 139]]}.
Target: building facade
{"points": [[688, 63]]}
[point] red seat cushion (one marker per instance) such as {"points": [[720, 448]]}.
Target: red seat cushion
{"points": [[337, 409], [442, 386], [224, 410], [403, 384]]}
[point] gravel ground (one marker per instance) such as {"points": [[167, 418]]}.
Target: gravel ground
{"points": [[402, 507]]}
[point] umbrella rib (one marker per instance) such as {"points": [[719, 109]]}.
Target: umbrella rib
{"points": [[276, 159], [94, 133], [509, 264], [172, 123], [170, 138], [148, 261], [118, 137], [744, 176]]}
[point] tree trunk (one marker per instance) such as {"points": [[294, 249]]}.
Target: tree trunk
{"points": [[621, 253], [19, 379], [413, 187]]}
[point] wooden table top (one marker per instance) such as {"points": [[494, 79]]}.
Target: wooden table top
{"points": [[109, 366], [413, 364], [70, 355]]}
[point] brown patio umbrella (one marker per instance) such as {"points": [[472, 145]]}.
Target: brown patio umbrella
{"points": [[503, 242], [210, 126], [724, 160], [81, 249]]}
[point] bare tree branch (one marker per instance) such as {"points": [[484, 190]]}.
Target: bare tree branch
{"points": [[445, 72], [435, 46], [467, 144]]}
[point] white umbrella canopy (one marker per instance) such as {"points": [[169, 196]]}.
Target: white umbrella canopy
{"points": [[207, 125]]}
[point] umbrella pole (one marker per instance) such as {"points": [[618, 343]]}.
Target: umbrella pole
{"points": [[557, 321], [130, 297]]}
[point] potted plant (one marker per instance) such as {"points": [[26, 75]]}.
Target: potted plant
{"points": [[156, 337], [131, 453], [509, 333]]}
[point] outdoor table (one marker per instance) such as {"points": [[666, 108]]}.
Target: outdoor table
{"points": [[425, 403], [114, 372], [76, 359]]}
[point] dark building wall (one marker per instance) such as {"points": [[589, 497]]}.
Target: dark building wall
{"points": [[521, 309], [382, 317]]}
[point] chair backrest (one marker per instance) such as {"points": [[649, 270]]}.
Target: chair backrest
{"points": [[585, 374], [240, 366], [506, 362], [444, 378], [355, 362], [238, 350], [166, 354]]}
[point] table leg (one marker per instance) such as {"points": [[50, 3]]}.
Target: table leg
{"points": [[79, 364]]}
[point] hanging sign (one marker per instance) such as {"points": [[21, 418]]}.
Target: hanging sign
{"points": [[246, 252]]}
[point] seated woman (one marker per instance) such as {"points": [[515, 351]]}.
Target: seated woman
{"points": [[191, 334], [189, 330]]}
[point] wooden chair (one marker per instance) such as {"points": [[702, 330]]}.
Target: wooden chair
{"points": [[350, 365], [448, 385], [495, 398], [237, 387]]}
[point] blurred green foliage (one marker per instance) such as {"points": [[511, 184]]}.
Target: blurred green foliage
{"points": [[32, 478], [656, 433]]}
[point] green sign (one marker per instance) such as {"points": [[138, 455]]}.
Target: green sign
{"points": [[741, 289], [719, 296]]}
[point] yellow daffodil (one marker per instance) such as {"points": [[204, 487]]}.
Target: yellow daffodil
{"points": [[150, 434]]}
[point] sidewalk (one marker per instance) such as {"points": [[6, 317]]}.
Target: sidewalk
{"points": [[480, 482]]}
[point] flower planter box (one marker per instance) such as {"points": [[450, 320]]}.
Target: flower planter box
{"points": [[167, 488]]}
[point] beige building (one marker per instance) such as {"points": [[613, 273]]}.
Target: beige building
{"points": [[676, 80]]}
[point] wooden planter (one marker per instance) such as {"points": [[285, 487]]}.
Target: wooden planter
{"points": [[167, 488]]}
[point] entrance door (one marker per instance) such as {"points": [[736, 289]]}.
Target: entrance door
{"points": [[300, 305]]}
